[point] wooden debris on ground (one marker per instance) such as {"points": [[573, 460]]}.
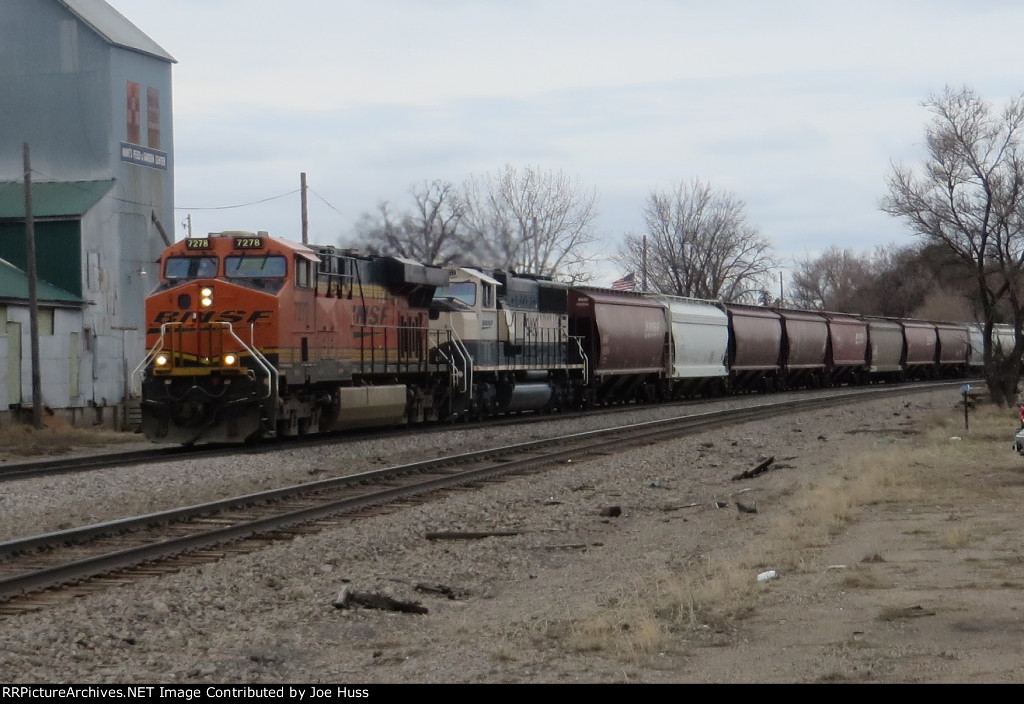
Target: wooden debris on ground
{"points": [[467, 535], [759, 468], [347, 598], [442, 590], [895, 612], [674, 507]]}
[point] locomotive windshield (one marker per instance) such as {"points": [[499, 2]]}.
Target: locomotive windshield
{"points": [[185, 268], [260, 267], [461, 291]]}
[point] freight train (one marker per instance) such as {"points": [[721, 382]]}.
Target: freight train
{"points": [[251, 337]]}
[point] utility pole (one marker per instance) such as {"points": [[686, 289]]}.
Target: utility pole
{"points": [[305, 210], [643, 266], [33, 301]]}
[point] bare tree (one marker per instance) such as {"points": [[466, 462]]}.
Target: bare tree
{"points": [[700, 245], [429, 232], [969, 198], [834, 281], [911, 281], [530, 221], [890, 281]]}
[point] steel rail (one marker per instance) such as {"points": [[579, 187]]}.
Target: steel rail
{"points": [[68, 465], [520, 457]]}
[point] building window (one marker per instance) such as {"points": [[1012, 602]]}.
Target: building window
{"points": [[45, 321]]}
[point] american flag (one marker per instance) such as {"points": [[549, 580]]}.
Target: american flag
{"points": [[626, 283]]}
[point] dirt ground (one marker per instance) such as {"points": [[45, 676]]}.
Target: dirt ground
{"points": [[919, 583], [892, 533]]}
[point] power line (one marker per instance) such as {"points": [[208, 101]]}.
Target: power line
{"points": [[242, 205], [215, 207], [325, 201]]}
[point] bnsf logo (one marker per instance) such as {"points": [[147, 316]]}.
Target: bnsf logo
{"points": [[370, 315], [223, 316]]}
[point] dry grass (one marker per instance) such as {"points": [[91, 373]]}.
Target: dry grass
{"points": [[56, 438], [957, 536], [940, 464], [861, 577], [634, 632]]}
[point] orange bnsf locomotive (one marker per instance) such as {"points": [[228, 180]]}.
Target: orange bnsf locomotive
{"points": [[250, 336]]}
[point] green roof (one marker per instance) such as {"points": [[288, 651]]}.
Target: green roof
{"points": [[14, 285], [51, 198]]}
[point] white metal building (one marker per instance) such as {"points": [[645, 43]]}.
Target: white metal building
{"points": [[90, 94]]}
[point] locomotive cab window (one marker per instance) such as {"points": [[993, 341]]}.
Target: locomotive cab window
{"points": [[488, 295], [461, 291], [186, 268], [264, 272], [304, 273], [258, 267]]}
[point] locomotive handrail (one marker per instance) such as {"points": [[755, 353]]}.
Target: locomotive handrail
{"points": [[456, 348], [467, 359], [258, 357], [263, 362], [583, 356], [136, 391]]}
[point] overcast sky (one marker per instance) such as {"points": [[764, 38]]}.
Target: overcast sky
{"points": [[796, 107]]}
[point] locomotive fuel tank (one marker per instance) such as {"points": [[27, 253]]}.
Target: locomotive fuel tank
{"points": [[525, 396], [366, 407]]}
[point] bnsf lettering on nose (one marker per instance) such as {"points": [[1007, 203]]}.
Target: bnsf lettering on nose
{"points": [[223, 316], [370, 315]]}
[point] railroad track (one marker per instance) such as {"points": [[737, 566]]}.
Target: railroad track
{"points": [[69, 465], [85, 463], [35, 568]]}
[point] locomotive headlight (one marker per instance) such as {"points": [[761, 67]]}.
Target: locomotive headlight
{"points": [[230, 359], [206, 296], [161, 360]]}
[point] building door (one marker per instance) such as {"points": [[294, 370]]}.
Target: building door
{"points": [[14, 363]]}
